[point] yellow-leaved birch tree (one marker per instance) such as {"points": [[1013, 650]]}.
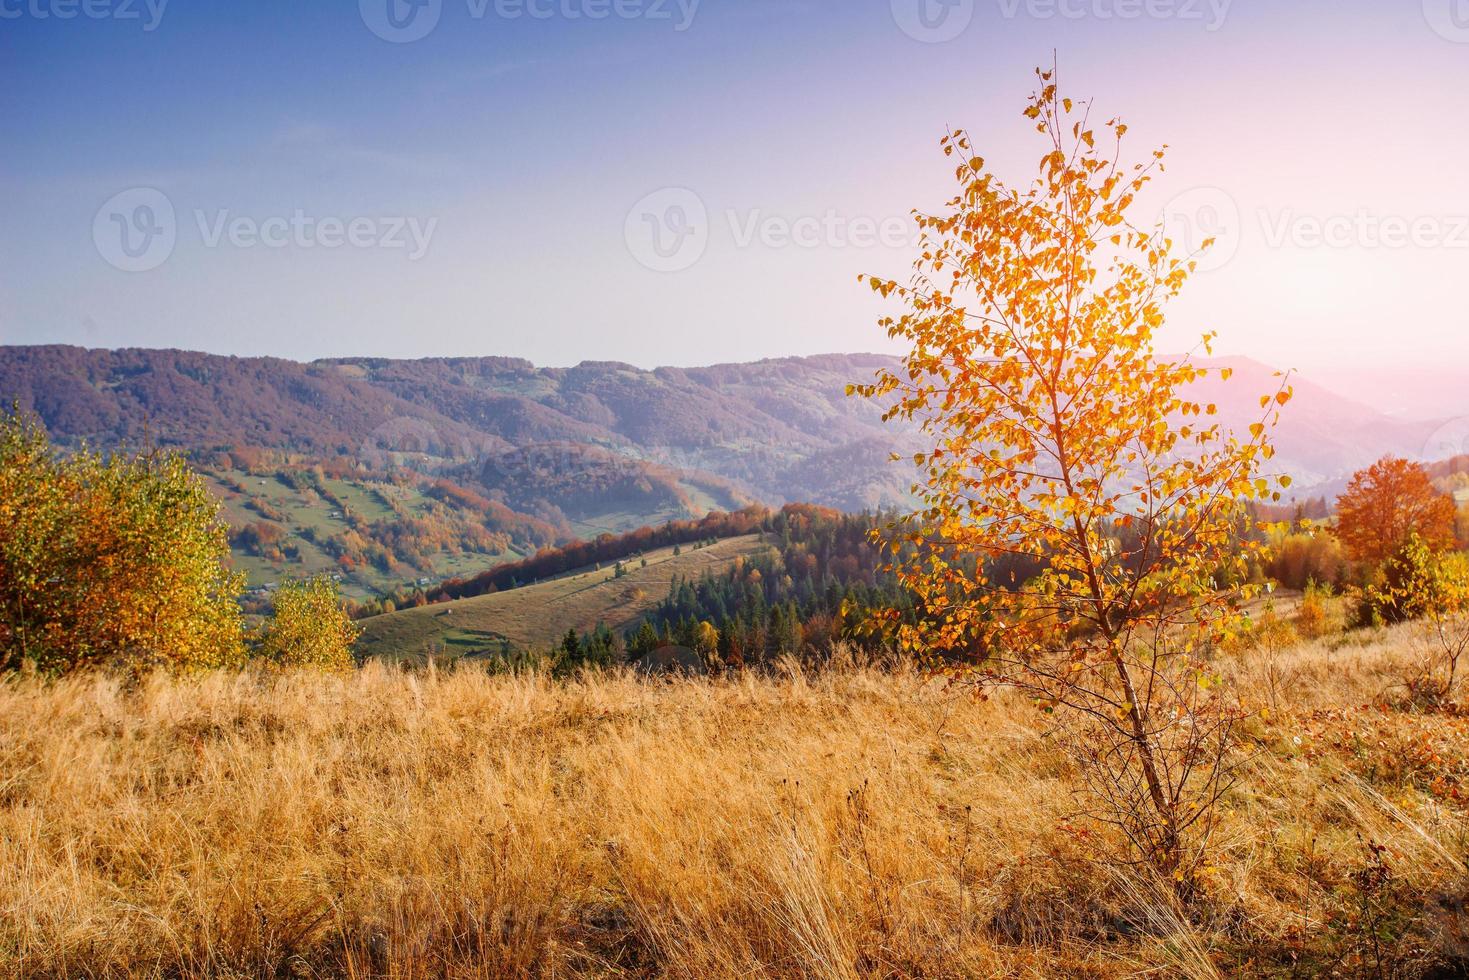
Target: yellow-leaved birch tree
{"points": [[1058, 437]]}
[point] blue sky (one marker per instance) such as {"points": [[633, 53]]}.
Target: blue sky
{"points": [[496, 186]]}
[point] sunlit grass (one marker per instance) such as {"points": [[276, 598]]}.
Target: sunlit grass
{"points": [[836, 823]]}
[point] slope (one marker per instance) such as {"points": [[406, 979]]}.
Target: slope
{"points": [[536, 616]]}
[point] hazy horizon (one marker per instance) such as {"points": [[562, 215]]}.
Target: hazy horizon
{"points": [[1410, 394]]}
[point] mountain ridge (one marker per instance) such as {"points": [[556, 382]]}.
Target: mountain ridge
{"points": [[775, 430]]}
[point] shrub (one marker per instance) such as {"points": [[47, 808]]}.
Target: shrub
{"points": [[1317, 615], [1422, 583], [110, 561], [310, 628], [1447, 612], [1411, 584]]}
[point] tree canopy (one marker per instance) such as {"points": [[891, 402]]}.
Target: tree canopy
{"points": [[1386, 504]]}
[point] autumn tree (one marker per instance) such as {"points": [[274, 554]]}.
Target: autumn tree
{"points": [[1422, 582], [1444, 598], [310, 628], [1058, 437], [114, 561], [706, 642], [1385, 505]]}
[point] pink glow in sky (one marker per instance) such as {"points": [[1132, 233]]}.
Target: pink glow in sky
{"points": [[1326, 142]]}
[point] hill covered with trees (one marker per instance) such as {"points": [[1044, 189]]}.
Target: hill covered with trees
{"points": [[396, 475], [537, 438]]}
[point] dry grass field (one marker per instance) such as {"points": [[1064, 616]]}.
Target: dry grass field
{"points": [[535, 617], [834, 823]]}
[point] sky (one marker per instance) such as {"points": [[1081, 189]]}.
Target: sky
{"points": [[681, 182]]}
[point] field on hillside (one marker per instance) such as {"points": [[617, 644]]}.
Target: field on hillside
{"points": [[535, 617], [377, 520], [248, 498], [832, 823]]}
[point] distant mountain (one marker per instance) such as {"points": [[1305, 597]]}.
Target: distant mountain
{"points": [[1322, 437], [532, 437], [200, 401], [1437, 388], [551, 441], [757, 427]]}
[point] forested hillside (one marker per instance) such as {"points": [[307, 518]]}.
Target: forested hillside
{"points": [[533, 437], [773, 431], [460, 464]]}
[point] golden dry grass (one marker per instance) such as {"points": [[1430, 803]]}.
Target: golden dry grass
{"points": [[842, 823]]}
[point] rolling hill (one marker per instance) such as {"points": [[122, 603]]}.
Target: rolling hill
{"points": [[536, 616], [774, 430], [536, 456]]}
